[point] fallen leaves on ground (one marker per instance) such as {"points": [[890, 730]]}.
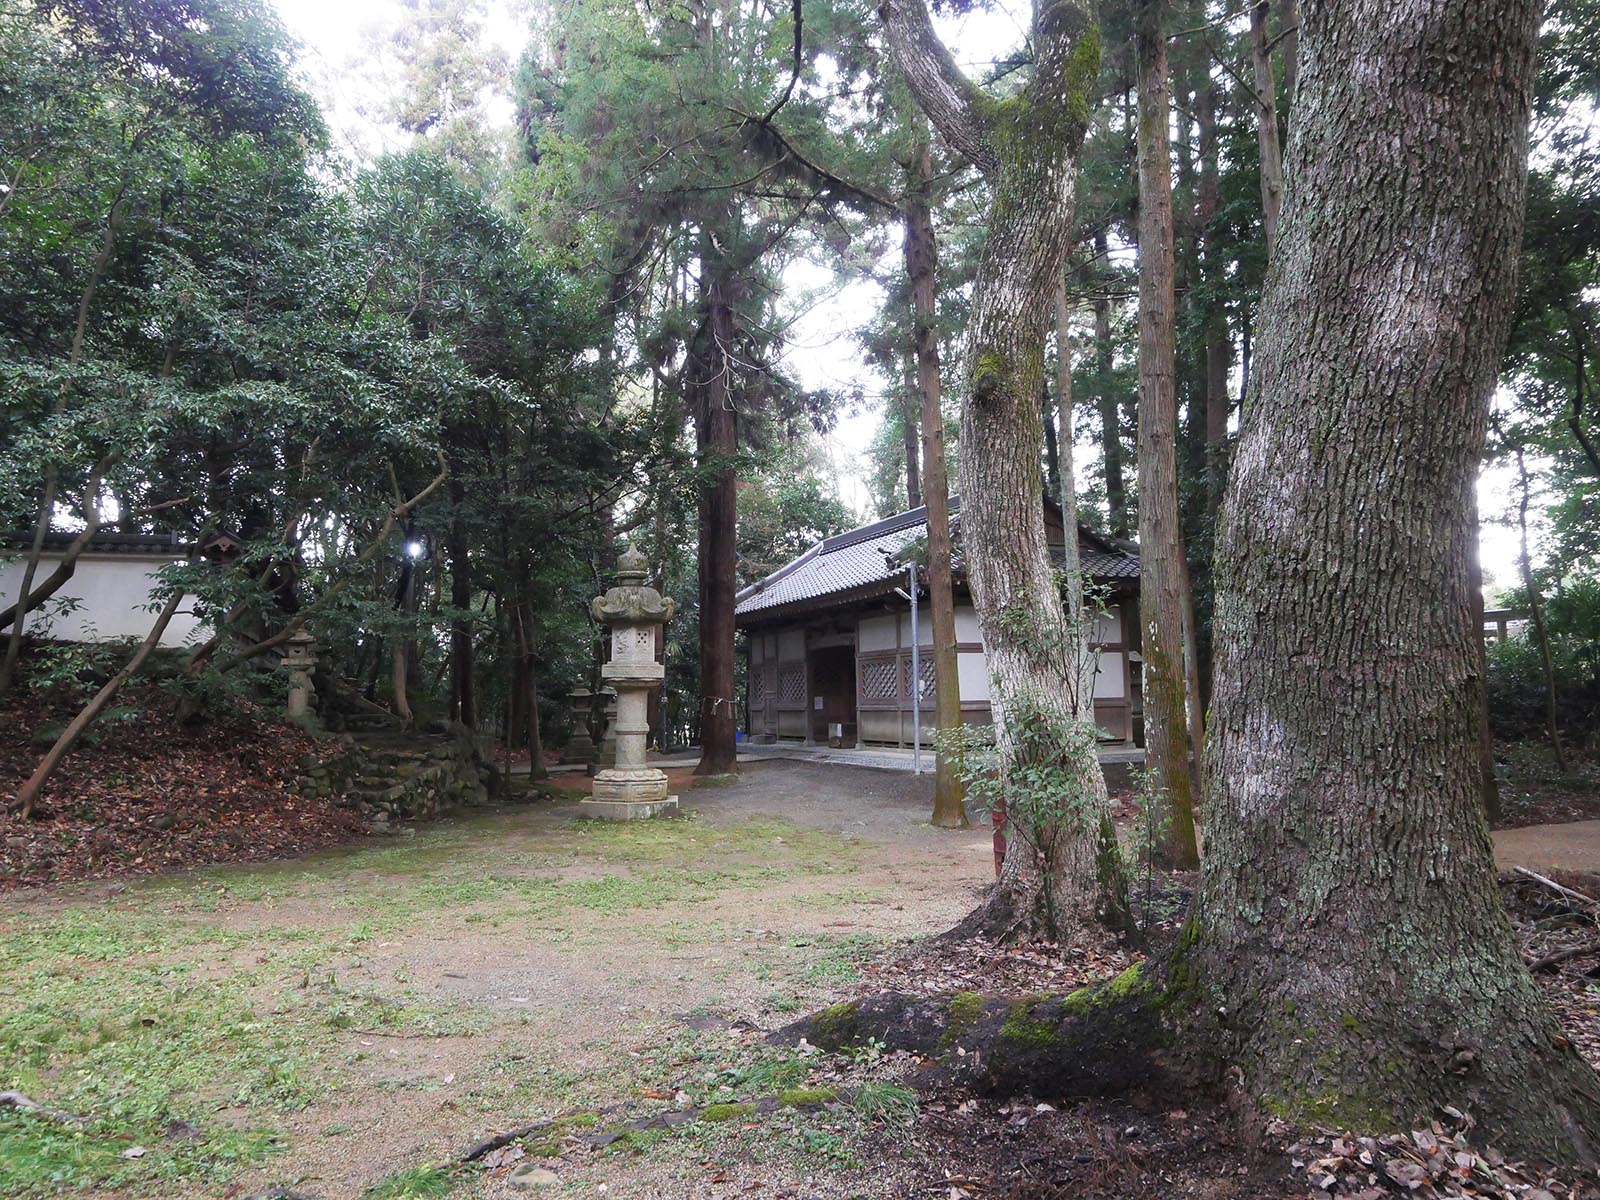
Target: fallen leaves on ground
{"points": [[940, 965], [1440, 1161], [151, 795]]}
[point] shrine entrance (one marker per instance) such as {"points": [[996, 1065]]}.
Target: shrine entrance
{"points": [[833, 696]]}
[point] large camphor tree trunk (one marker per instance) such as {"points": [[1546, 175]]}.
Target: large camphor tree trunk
{"points": [[1028, 146], [922, 257], [1348, 939], [1162, 569]]}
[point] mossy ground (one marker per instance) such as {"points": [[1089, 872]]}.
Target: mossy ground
{"points": [[360, 1016]]}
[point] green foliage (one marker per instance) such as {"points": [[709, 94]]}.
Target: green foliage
{"points": [[1517, 699]]}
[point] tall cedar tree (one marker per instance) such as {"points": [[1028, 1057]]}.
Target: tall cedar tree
{"points": [[922, 260], [1162, 568]]}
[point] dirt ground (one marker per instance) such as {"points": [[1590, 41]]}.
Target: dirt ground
{"points": [[348, 1024], [488, 971]]}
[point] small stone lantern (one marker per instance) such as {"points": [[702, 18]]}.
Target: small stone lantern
{"points": [[580, 746], [300, 659], [631, 790]]}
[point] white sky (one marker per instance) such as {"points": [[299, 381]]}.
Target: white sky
{"points": [[823, 351]]}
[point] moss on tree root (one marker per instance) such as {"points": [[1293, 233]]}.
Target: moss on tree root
{"points": [[1093, 1042]]}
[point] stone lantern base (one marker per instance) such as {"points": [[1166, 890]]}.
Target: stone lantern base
{"points": [[628, 794]]}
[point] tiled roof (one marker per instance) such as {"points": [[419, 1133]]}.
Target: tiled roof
{"points": [[855, 565], [102, 543]]}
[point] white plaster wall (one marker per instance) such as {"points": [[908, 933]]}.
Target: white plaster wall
{"points": [[924, 626], [111, 591], [967, 628], [1109, 682], [972, 669], [875, 633]]}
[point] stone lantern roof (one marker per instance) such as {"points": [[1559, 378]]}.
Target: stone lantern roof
{"points": [[631, 602]]}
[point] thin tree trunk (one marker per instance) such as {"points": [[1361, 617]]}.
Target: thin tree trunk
{"points": [[1082, 693], [1552, 710], [1110, 410], [1218, 351], [909, 404], [1028, 146], [717, 440], [1349, 952], [922, 260], [1490, 780], [1268, 144], [28, 794], [463, 684], [1161, 563], [1052, 453], [534, 736]]}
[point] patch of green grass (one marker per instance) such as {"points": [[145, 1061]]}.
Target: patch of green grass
{"points": [[876, 1100], [833, 959], [841, 898], [416, 1183], [126, 1021]]}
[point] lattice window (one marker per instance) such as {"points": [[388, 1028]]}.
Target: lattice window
{"points": [[927, 676], [758, 689], [792, 684], [880, 679]]}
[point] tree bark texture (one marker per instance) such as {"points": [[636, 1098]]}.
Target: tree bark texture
{"points": [[1162, 569], [1028, 146], [922, 261], [717, 443], [1349, 940]]}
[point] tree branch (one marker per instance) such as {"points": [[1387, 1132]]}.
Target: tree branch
{"points": [[954, 104]]}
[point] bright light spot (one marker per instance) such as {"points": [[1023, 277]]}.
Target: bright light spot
{"points": [[414, 549]]}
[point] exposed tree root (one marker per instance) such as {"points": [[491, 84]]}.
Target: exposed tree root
{"points": [[1099, 1041]]}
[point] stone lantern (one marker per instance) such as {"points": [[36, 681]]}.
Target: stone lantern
{"points": [[299, 659], [631, 790], [580, 747]]}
